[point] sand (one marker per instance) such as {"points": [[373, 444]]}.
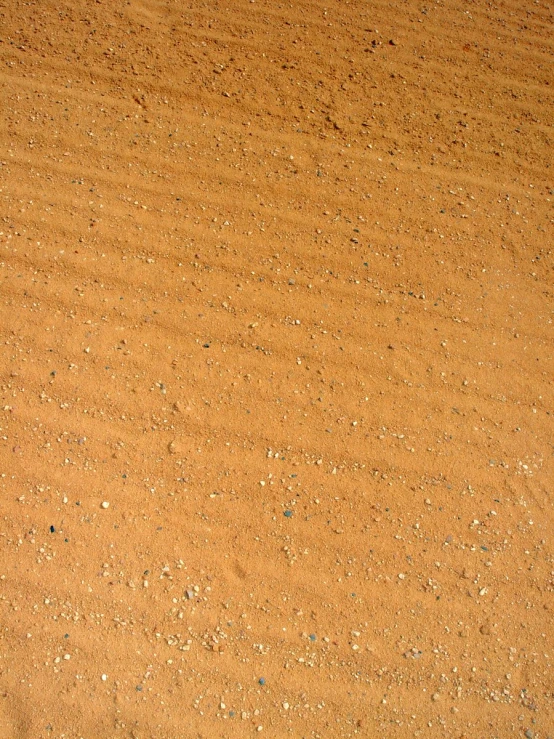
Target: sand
{"points": [[277, 356]]}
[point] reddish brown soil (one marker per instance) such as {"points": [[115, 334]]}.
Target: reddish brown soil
{"points": [[277, 286]]}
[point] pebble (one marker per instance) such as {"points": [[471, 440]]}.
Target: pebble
{"points": [[262, 681], [288, 514], [105, 504]]}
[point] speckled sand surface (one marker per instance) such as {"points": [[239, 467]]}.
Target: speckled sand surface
{"points": [[276, 414]]}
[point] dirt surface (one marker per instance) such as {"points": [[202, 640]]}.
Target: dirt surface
{"points": [[276, 305]]}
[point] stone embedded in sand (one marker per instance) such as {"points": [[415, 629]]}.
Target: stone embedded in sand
{"points": [[174, 447]]}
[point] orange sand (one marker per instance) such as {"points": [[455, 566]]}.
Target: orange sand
{"points": [[277, 286]]}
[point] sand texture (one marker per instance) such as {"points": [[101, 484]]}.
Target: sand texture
{"points": [[276, 405]]}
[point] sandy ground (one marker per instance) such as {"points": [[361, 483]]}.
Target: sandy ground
{"points": [[276, 444]]}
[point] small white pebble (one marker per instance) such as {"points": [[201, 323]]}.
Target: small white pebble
{"points": [[104, 678], [105, 504], [67, 656]]}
